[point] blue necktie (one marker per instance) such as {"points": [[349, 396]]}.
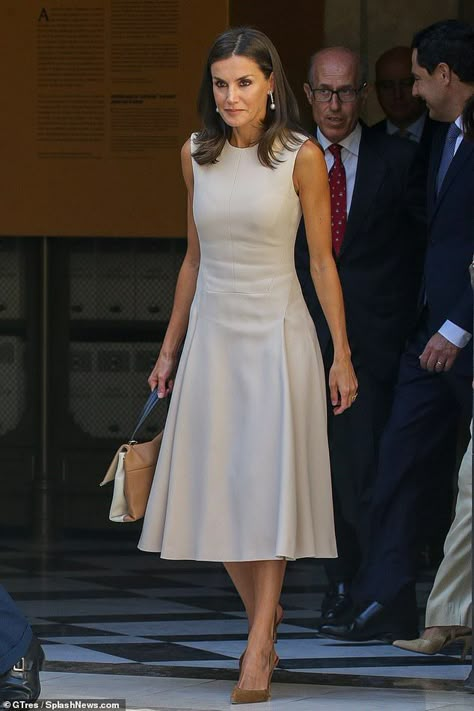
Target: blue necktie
{"points": [[448, 154]]}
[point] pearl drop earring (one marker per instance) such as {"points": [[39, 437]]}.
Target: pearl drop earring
{"points": [[272, 103], [217, 109]]}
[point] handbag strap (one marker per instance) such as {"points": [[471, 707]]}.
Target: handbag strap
{"points": [[149, 405]]}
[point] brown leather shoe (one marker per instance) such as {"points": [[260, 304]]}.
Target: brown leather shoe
{"points": [[255, 696]]}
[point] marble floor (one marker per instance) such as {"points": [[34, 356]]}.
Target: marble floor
{"points": [[116, 623]]}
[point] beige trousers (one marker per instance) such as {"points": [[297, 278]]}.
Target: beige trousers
{"points": [[450, 602]]}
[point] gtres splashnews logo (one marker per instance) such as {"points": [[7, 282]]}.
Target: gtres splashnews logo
{"points": [[67, 705]]}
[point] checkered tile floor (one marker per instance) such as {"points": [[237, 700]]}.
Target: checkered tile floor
{"points": [[107, 607]]}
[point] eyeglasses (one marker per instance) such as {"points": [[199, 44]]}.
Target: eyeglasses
{"points": [[345, 95], [391, 84]]}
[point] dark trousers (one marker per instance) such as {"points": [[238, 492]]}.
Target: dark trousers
{"points": [[425, 407], [15, 632], [354, 440]]}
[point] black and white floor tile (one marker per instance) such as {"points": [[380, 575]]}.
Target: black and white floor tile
{"points": [[103, 606]]}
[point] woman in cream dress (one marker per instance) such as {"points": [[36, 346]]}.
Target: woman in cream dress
{"points": [[243, 474]]}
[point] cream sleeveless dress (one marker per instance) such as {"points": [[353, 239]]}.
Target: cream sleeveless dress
{"points": [[243, 473]]}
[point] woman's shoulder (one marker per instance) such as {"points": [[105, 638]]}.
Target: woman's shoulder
{"points": [[193, 141], [298, 137], [190, 145], [309, 159], [297, 141], [309, 149], [187, 147], [301, 139], [301, 148]]}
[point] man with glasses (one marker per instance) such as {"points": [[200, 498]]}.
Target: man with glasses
{"points": [[377, 250], [406, 114], [434, 381]]}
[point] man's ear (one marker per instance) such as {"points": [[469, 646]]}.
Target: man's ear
{"points": [[308, 92], [444, 72]]}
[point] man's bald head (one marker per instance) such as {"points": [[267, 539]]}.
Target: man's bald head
{"points": [[338, 54], [393, 83], [336, 69], [395, 59]]}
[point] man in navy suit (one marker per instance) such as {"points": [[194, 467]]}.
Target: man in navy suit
{"points": [[378, 255], [434, 385], [21, 655], [407, 117]]}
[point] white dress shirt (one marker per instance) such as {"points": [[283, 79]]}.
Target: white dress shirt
{"points": [[451, 331], [460, 138], [349, 156], [414, 131]]}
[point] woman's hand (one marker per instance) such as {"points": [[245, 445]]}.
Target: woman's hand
{"points": [[342, 384], [162, 375]]}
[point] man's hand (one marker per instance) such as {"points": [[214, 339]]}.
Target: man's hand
{"points": [[439, 354]]}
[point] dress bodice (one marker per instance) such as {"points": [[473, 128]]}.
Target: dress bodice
{"points": [[246, 216]]}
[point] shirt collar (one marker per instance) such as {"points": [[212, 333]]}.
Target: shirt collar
{"points": [[415, 128], [459, 123], [351, 142]]}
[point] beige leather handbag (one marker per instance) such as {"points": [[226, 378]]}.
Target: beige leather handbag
{"points": [[132, 470]]}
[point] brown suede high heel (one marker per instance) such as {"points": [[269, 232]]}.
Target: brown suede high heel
{"points": [[436, 643], [278, 619], [255, 696]]}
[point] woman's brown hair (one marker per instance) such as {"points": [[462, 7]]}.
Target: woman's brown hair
{"points": [[279, 125]]}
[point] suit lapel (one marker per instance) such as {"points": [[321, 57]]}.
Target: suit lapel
{"points": [[435, 158], [369, 176], [465, 149]]}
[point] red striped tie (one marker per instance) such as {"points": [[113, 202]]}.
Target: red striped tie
{"points": [[338, 190]]}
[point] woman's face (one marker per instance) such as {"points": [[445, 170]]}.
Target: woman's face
{"points": [[240, 91]]}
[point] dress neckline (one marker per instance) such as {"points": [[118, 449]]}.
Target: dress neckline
{"points": [[243, 148]]}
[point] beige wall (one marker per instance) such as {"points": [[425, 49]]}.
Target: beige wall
{"points": [[372, 26]]}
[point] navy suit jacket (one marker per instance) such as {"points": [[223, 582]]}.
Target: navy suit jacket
{"points": [[426, 135], [448, 292], [380, 259]]}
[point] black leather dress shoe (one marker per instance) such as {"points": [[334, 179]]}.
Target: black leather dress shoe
{"points": [[22, 682], [336, 604], [375, 621]]}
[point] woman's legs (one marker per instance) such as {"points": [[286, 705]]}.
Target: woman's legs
{"points": [[241, 575], [259, 585]]}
